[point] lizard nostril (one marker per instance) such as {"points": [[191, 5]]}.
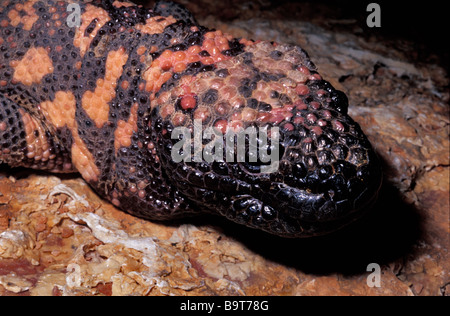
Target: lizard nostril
{"points": [[340, 101], [268, 213]]}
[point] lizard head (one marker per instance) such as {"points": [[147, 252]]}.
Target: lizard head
{"points": [[262, 139]]}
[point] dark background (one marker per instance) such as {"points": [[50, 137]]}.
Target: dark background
{"points": [[425, 24]]}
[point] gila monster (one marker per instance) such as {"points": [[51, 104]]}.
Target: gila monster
{"points": [[98, 87]]}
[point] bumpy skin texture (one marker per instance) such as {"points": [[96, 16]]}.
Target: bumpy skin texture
{"points": [[103, 98]]}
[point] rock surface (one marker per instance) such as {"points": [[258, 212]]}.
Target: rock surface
{"points": [[57, 237]]}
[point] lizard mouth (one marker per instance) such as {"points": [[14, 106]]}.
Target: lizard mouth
{"points": [[275, 207], [302, 214], [298, 198]]}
